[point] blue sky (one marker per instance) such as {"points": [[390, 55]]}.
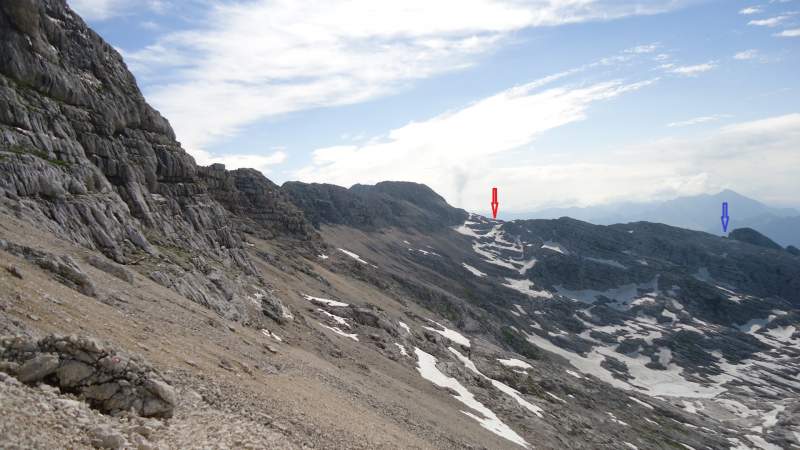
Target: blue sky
{"points": [[557, 102]]}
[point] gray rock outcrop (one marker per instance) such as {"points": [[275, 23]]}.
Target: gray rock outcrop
{"points": [[109, 381]]}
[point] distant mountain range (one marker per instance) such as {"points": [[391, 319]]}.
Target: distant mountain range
{"points": [[701, 212]]}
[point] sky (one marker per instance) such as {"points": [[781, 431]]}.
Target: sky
{"points": [[557, 103]]}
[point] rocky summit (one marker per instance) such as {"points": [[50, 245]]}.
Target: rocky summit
{"points": [[148, 302]]}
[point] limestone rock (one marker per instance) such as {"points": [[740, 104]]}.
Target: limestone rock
{"points": [[106, 437], [275, 309], [109, 381], [38, 367], [111, 268]]}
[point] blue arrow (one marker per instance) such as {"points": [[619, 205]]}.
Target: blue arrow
{"points": [[725, 218]]}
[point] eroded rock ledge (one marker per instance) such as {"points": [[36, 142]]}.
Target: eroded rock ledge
{"points": [[109, 381]]}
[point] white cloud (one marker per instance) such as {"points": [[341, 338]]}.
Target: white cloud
{"points": [[746, 55], [106, 9], [451, 151], [770, 22], [697, 120], [249, 61], [493, 142], [789, 33], [647, 48], [262, 163], [690, 71], [750, 10], [96, 9]]}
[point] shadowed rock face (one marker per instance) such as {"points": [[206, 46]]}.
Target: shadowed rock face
{"points": [[387, 204], [752, 236], [85, 157]]}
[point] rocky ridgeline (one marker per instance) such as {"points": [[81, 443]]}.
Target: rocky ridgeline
{"points": [[109, 381], [386, 204], [259, 205], [85, 157], [753, 237]]}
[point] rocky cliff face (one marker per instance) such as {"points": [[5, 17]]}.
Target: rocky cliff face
{"points": [[84, 156]]}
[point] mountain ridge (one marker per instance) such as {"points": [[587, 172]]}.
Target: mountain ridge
{"points": [[700, 212]]}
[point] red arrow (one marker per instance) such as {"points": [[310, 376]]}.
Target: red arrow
{"points": [[495, 204]]}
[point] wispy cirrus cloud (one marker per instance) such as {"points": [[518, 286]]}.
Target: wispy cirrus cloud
{"points": [[448, 151], [252, 60], [750, 10], [691, 70], [771, 21], [262, 162], [795, 32], [746, 55], [697, 120]]}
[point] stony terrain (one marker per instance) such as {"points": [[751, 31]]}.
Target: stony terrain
{"points": [[147, 302]]}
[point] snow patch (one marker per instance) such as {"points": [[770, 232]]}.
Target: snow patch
{"points": [[668, 382], [466, 230], [270, 334], [356, 257], [515, 363], [771, 418], [341, 333], [337, 319], [615, 420], [402, 349], [782, 334], [526, 287], [527, 266], [641, 403], [485, 417], [324, 301], [732, 296], [473, 270], [452, 335], [555, 397], [555, 246], [508, 390]]}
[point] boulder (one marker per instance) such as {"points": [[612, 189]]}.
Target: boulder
{"points": [[109, 381], [275, 309], [72, 372], [38, 367]]}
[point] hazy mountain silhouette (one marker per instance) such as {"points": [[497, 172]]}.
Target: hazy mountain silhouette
{"points": [[700, 212]]}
